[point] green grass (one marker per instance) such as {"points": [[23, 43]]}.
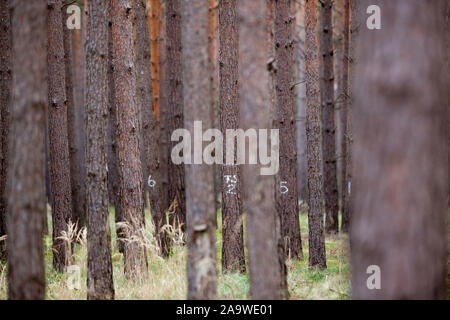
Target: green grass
{"points": [[167, 277]]}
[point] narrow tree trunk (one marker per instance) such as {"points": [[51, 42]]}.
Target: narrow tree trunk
{"points": [[313, 136], [145, 98], [58, 138], [401, 154], [5, 101], [99, 277], [75, 169], [201, 240], [328, 127], [286, 180], [130, 167], [259, 191], [26, 208], [233, 258], [174, 116]]}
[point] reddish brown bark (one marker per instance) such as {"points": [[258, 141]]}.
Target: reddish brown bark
{"points": [[401, 154], [233, 258], [266, 271], [175, 116], [26, 208], [130, 167], [313, 136], [58, 138], [286, 179], [5, 100], [100, 276], [145, 98]]}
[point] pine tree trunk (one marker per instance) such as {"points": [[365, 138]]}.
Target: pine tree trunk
{"points": [[58, 138], [99, 277], [233, 259], [174, 115], [26, 274], [401, 154], [328, 126], [265, 268], [317, 256], [286, 180], [5, 101], [145, 98], [75, 170], [130, 166], [200, 196]]}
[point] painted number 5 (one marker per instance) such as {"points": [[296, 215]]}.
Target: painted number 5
{"points": [[283, 187]]}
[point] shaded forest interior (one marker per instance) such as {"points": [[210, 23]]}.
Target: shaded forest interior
{"points": [[204, 149]]}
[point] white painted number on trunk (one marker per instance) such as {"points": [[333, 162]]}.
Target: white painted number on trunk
{"points": [[230, 183], [151, 182], [283, 187]]}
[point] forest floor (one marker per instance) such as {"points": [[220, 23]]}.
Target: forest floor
{"points": [[167, 277]]}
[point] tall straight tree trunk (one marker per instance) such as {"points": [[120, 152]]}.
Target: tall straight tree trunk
{"points": [[317, 256], [200, 202], [328, 126], [130, 167], [113, 148], [5, 101], [343, 114], [286, 180], [26, 208], [100, 276], [153, 20], [79, 205], [174, 115], [145, 98], [233, 258], [266, 279], [401, 154], [58, 138], [75, 168]]}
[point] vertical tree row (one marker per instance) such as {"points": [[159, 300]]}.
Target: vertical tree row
{"points": [[5, 105], [26, 208], [233, 258], [313, 136], [267, 278], [129, 153], [401, 141], [58, 138]]}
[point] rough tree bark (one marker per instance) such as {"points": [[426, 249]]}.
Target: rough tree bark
{"points": [[266, 278], [174, 116], [233, 258], [26, 274], [130, 167], [313, 136], [74, 158], [286, 179], [400, 154], [5, 100], [99, 277], [330, 188], [201, 261], [58, 138], [145, 98]]}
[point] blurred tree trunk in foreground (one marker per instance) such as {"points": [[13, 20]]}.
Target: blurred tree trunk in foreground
{"points": [[58, 138], [100, 274], [401, 154], [267, 271], [317, 257], [26, 274]]}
